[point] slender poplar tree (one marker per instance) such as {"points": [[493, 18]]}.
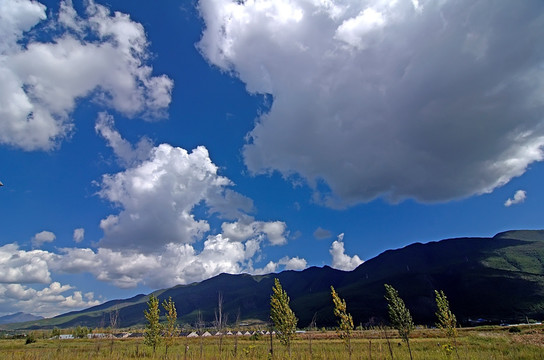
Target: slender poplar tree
{"points": [[345, 321], [399, 315], [446, 319], [153, 327], [284, 319], [171, 329]]}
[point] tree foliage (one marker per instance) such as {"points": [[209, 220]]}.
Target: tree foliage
{"points": [[399, 315], [345, 321], [446, 319], [284, 319], [81, 332], [171, 329], [153, 327]]}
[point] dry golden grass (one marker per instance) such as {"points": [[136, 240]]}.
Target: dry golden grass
{"points": [[474, 344]]}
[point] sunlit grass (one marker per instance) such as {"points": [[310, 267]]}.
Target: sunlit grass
{"points": [[489, 343]]}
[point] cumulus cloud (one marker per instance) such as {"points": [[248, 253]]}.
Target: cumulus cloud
{"points": [[174, 264], [43, 237], [424, 99], [518, 198], [321, 233], [102, 55], [47, 301], [157, 196], [19, 266], [285, 263], [294, 263], [151, 239], [246, 228], [154, 238], [340, 260], [79, 235]]}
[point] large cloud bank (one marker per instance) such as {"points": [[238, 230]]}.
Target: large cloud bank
{"points": [[154, 237], [102, 55], [431, 100]]}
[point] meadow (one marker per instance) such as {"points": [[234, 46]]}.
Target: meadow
{"points": [[472, 343]]}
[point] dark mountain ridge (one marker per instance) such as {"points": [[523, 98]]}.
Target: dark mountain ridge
{"points": [[497, 279]]}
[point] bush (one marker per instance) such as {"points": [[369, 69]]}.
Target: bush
{"points": [[514, 329], [30, 339]]}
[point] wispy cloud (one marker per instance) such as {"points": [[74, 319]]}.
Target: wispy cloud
{"points": [[321, 233], [79, 235]]}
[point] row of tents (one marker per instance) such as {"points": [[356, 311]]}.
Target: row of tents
{"points": [[192, 334], [230, 333]]}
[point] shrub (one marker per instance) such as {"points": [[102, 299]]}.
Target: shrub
{"points": [[30, 339]]}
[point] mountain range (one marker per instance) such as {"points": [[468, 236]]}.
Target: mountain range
{"points": [[494, 279], [18, 318]]}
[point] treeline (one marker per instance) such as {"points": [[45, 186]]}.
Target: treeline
{"points": [[284, 321]]}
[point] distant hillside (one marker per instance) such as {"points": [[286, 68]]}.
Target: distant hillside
{"points": [[498, 279], [18, 318]]}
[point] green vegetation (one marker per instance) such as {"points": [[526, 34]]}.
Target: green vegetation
{"points": [[474, 343], [446, 321], [284, 319], [399, 315], [345, 321], [153, 328], [171, 329]]}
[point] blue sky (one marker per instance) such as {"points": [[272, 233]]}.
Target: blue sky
{"points": [[144, 145]]}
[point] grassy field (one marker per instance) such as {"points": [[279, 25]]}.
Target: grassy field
{"points": [[474, 343]]}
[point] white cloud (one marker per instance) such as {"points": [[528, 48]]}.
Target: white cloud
{"points": [[19, 266], [48, 301], [321, 233], [340, 260], [295, 263], [151, 239], [424, 99], [518, 198], [174, 264], [353, 30], [79, 235], [43, 237], [125, 152], [103, 55], [246, 228], [285, 263], [157, 197]]}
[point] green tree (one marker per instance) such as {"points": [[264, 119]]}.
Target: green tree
{"points": [[446, 319], [171, 329], [153, 327], [55, 333], [345, 321], [80, 332], [399, 315], [284, 319]]}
